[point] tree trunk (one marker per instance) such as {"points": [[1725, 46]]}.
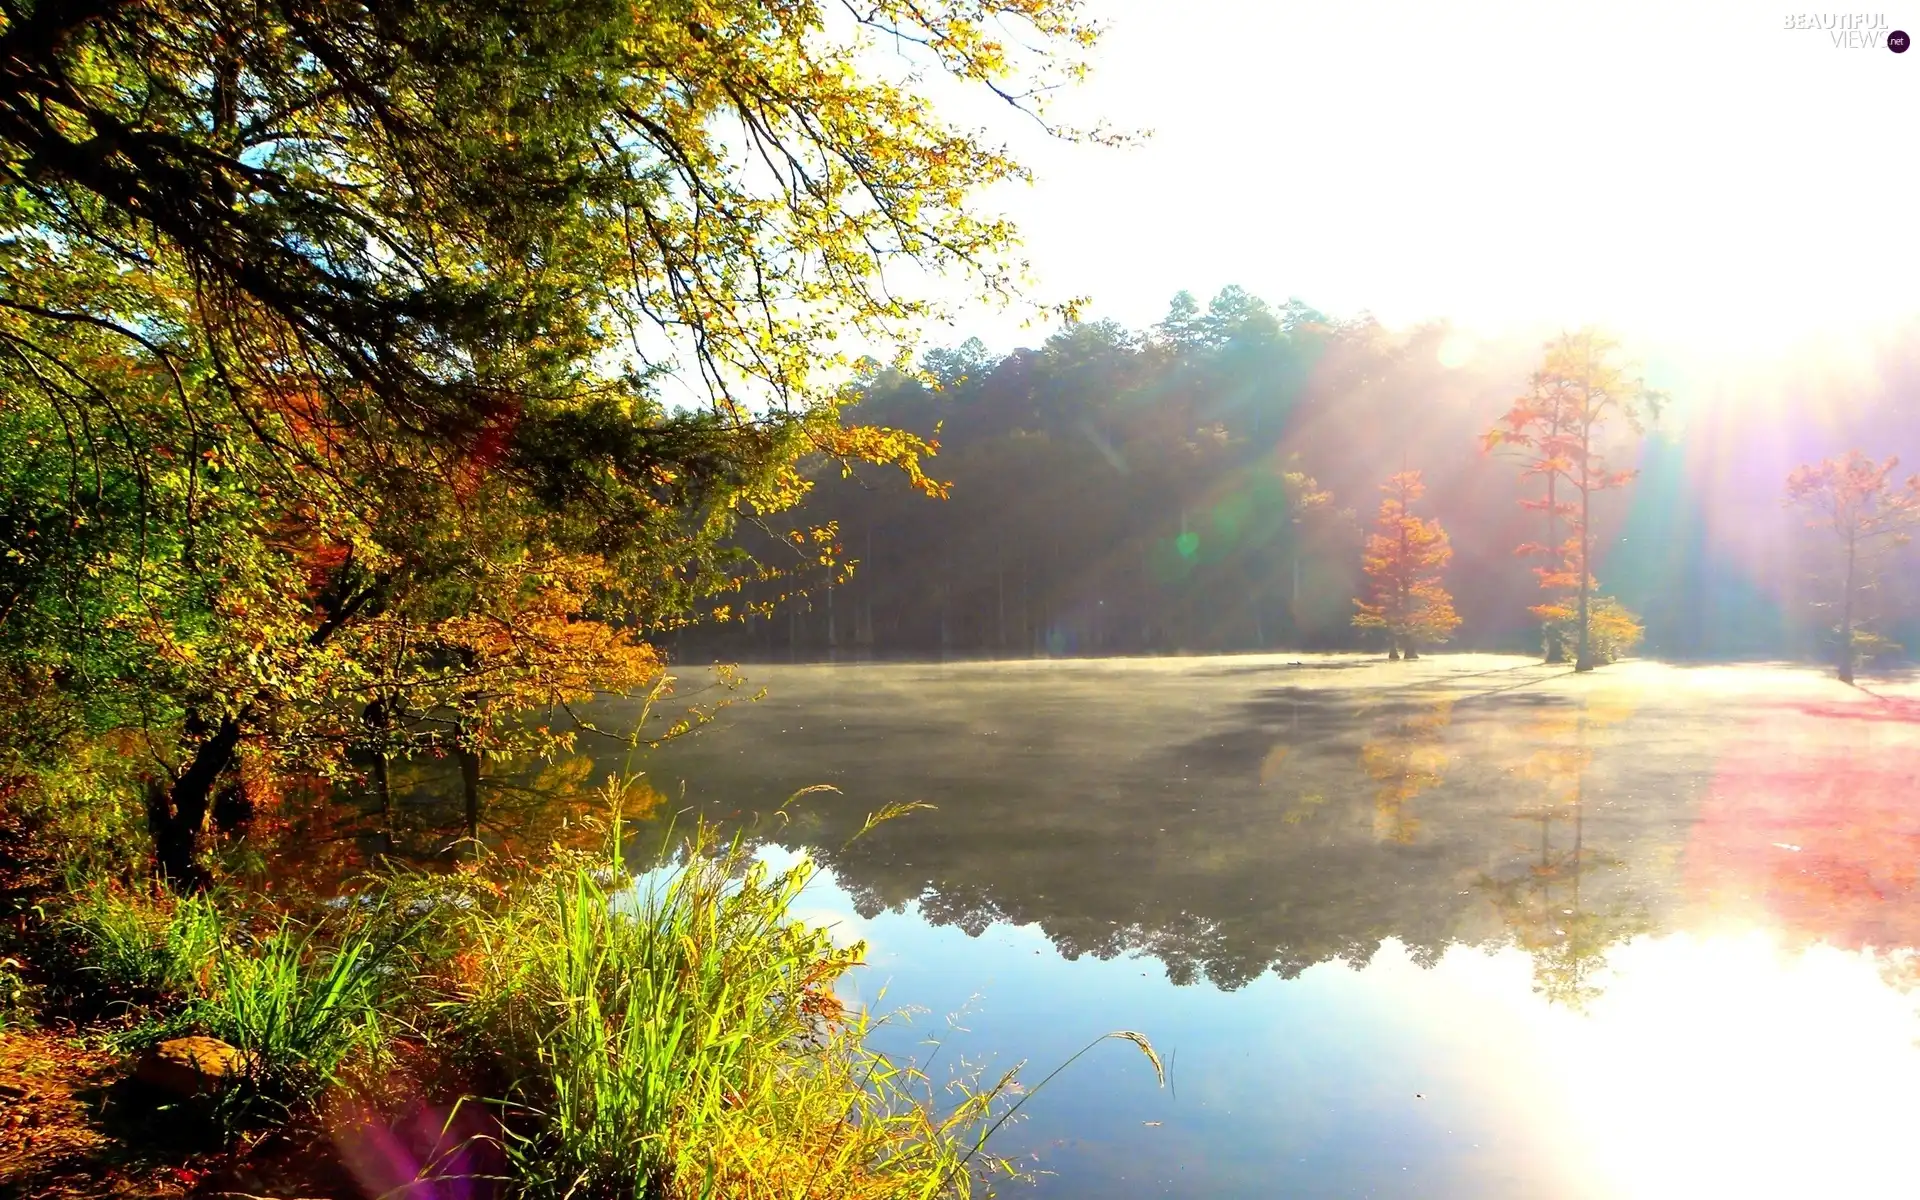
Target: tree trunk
{"points": [[383, 788], [1556, 647], [378, 721], [470, 792], [1413, 651], [1583, 655], [1026, 603], [1846, 616], [1000, 600], [177, 815]]}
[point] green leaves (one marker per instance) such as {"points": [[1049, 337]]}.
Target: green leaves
{"points": [[346, 350]]}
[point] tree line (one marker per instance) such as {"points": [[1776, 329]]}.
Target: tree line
{"points": [[1203, 486]]}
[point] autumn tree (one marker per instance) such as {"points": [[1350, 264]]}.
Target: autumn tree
{"points": [[1857, 501], [1560, 428], [1536, 418], [1404, 557], [334, 340]]}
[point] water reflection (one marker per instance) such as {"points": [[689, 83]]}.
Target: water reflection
{"points": [[1226, 830], [1541, 900], [1405, 757], [1237, 816], [1465, 927]]}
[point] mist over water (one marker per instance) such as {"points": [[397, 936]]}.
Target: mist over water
{"points": [[1467, 927]]}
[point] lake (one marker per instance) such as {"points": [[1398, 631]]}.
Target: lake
{"points": [[1470, 926]]}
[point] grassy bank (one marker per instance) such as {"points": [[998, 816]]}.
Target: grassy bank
{"points": [[554, 1027]]}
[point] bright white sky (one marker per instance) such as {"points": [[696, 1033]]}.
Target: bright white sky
{"points": [[1681, 172]]}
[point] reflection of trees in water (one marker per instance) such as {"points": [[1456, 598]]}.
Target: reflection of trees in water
{"points": [[1270, 838], [520, 807], [1267, 863], [1547, 911], [1277, 773], [1405, 757]]}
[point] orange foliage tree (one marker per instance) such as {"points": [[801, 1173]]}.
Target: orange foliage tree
{"points": [[1560, 427], [1536, 419], [1404, 556], [1856, 500]]}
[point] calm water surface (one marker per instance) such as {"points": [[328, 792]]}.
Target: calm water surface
{"points": [[1468, 927]]}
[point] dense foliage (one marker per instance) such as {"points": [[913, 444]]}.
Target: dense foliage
{"points": [[1114, 490], [371, 374]]}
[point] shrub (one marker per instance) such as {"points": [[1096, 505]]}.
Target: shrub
{"points": [[14, 1009], [671, 1036], [1613, 631]]}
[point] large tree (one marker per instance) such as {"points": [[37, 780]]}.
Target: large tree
{"points": [[369, 371], [1563, 428], [1857, 501], [1404, 557]]}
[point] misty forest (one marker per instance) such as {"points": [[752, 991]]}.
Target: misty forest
{"points": [[1207, 485]]}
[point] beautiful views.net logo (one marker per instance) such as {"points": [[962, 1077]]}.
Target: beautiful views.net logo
{"points": [[1853, 31]]}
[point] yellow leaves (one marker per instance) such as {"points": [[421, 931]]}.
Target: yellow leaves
{"points": [[884, 447], [1613, 631], [732, 186]]}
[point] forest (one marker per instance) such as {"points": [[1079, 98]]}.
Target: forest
{"points": [[1205, 485]]}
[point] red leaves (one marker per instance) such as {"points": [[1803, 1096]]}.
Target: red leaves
{"points": [[486, 450], [1559, 423]]}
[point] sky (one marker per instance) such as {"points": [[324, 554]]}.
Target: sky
{"points": [[1691, 175]]}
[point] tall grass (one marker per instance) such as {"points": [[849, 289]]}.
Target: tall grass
{"points": [[674, 1037], [299, 1011], [133, 947], [680, 1038]]}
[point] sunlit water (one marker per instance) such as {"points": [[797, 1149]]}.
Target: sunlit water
{"points": [[1467, 927]]}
